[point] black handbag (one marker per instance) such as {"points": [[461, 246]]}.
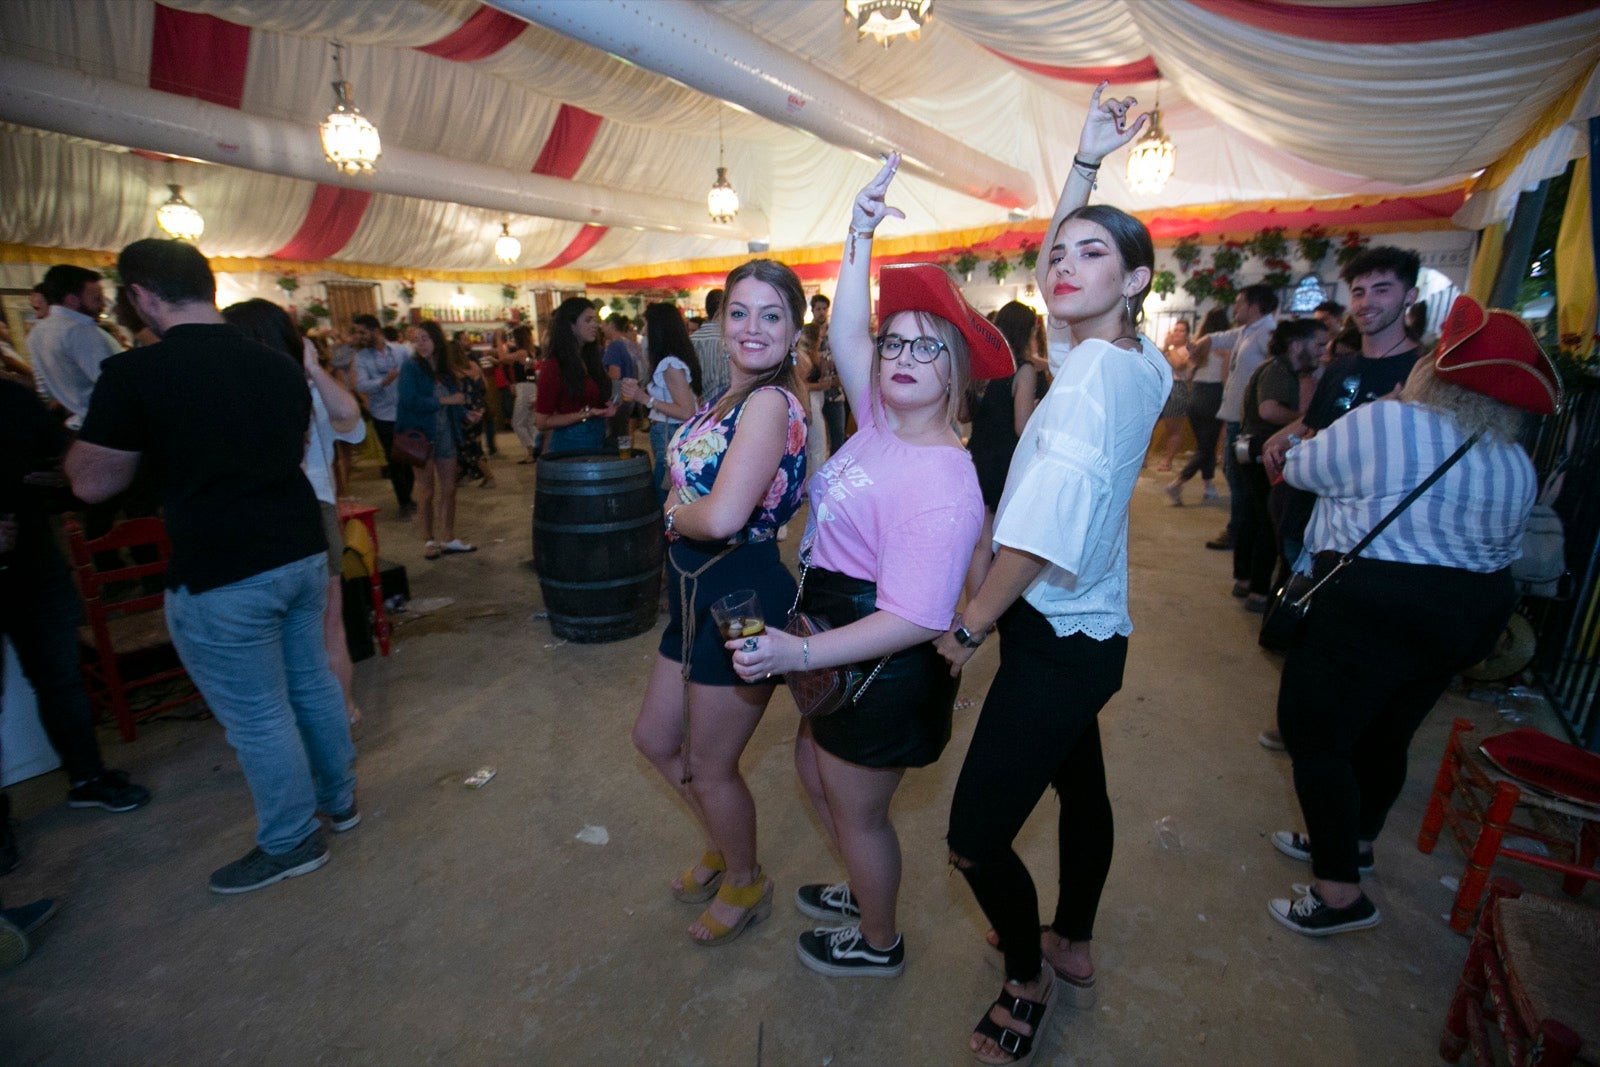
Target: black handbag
{"points": [[822, 690], [1285, 621]]}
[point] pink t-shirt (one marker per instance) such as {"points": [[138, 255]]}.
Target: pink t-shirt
{"points": [[903, 516]]}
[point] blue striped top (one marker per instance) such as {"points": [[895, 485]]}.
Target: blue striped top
{"points": [[1366, 463]]}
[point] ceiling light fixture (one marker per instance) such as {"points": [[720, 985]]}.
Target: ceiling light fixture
{"points": [[349, 141], [884, 20], [722, 203], [1152, 159], [507, 249], [179, 218]]}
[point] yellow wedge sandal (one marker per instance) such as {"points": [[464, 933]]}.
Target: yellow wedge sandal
{"points": [[755, 899], [694, 892]]}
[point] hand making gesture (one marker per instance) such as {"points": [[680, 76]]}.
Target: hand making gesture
{"points": [[1106, 127], [870, 208]]}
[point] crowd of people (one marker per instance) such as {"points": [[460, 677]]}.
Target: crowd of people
{"points": [[917, 546]]}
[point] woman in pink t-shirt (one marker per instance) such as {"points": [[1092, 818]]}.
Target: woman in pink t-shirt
{"points": [[894, 518]]}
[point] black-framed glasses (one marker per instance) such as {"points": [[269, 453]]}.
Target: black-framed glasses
{"points": [[923, 349]]}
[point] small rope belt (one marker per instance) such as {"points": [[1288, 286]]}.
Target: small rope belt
{"points": [[688, 587]]}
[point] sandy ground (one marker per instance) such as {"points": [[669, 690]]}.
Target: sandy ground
{"points": [[472, 926]]}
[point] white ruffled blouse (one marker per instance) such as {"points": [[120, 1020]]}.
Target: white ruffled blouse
{"points": [[1072, 476]]}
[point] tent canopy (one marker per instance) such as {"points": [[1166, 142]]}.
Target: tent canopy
{"points": [[1284, 102]]}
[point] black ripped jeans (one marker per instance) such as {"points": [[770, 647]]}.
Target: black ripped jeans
{"points": [[1038, 728]]}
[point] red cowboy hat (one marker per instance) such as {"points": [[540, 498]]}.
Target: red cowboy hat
{"points": [[1494, 353], [926, 287]]}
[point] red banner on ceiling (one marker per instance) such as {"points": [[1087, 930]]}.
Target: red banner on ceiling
{"points": [[483, 34], [567, 146], [330, 222], [1393, 23], [588, 236], [1140, 70], [200, 56]]}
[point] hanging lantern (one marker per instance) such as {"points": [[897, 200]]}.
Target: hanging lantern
{"points": [[722, 203], [179, 218], [349, 141], [1152, 158], [884, 20], [507, 249]]}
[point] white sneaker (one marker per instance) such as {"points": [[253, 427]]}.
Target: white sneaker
{"points": [[1174, 493]]}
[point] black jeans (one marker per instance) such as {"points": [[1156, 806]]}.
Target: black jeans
{"points": [[834, 413], [1380, 646], [1204, 399], [39, 615], [401, 475], [1255, 546], [1038, 728]]}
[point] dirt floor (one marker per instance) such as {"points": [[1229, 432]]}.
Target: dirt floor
{"points": [[474, 926]]}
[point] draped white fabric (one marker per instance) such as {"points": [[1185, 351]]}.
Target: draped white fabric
{"points": [[1254, 115]]}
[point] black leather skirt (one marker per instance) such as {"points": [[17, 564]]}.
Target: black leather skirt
{"points": [[902, 719]]}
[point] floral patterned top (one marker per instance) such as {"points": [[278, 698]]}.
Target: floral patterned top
{"points": [[696, 452]]}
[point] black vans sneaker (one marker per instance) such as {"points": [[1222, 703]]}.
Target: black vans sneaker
{"points": [[1315, 917], [830, 903], [1294, 844], [842, 952]]}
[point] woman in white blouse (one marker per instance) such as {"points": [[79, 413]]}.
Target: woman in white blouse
{"points": [[1058, 590], [673, 394]]}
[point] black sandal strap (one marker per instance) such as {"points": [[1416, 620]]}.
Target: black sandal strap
{"points": [[1022, 1011], [1010, 1042]]}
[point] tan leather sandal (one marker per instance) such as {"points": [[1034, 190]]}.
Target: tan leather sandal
{"points": [[693, 892], [755, 899]]}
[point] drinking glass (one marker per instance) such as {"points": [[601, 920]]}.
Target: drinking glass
{"points": [[739, 615]]}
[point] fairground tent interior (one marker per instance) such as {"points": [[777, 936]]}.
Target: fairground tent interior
{"points": [[473, 927]]}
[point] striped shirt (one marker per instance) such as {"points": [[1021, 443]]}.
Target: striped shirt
{"points": [[1366, 463]]}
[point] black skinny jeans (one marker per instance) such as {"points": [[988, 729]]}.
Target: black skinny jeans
{"points": [[1204, 399], [1255, 545], [1038, 728], [1380, 646], [401, 474]]}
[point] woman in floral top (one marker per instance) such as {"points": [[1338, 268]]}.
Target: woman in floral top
{"points": [[737, 470]]}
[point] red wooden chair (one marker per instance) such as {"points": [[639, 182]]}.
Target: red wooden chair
{"points": [[1537, 961], [125, 644], [1479, 802]]}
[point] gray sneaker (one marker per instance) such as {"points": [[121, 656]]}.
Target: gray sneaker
{"points": [[827, 902], [258, 869]]}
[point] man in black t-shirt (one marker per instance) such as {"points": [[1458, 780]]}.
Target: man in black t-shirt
{"points": [[219, 422], [40, 612]]}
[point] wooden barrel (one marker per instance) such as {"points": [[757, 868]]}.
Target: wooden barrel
{"points": [[597, 545]]}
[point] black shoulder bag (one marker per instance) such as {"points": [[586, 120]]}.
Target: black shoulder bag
{"points": [[1285, 619]]}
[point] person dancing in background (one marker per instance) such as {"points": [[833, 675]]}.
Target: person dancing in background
{"points": [[737, 471], [673, 394], [1058, 590]]}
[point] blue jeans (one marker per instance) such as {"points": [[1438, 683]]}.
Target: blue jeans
{"points": [[254, 648], [660, 436], [586, 436]]}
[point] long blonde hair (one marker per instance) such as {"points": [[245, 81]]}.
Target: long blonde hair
{"points": [[784, 375], [1471, 412]]}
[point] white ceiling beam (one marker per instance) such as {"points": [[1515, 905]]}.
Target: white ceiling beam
{"points": [[81, 105], [691, 44]]}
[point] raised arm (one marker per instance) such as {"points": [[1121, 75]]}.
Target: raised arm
{"points": [[1105, 129], [850, 328]]}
